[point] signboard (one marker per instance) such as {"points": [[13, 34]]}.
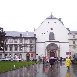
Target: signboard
{"points": [[68, 53]]}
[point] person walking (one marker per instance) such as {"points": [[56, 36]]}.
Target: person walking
{"points": [[60, 59], [68, 62], [51, 61]]}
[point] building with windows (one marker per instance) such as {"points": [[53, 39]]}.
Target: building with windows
{"points": [[51, 39], [72, 42], [22, 44]]}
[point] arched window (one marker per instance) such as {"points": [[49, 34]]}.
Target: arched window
{"points": [[10, 47], [51, 36], [6, 47]]}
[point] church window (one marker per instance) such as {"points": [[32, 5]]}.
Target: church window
{"points": [[51, 36], [48, 22], [51, 28], [54, 22]]}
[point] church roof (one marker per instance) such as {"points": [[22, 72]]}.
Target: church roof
{"points": [[73, 32], [51, 17], [17, 34]]}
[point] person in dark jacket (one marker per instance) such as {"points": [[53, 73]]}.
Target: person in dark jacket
{"points": [[51, 61]]}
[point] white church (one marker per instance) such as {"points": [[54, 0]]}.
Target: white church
{"points": [[52, 38]]}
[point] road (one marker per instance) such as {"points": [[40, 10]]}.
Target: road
{"points": [[40, 70]]}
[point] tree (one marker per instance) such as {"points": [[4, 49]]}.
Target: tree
{"points": [[2, 39]]}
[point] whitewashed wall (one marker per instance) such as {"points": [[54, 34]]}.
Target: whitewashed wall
{"points": [[60, 33], [64, 47], [40, 48]]}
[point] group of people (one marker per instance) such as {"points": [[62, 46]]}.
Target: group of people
{"points": [[52, 61]]}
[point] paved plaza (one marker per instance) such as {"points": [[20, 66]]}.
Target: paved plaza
{"points": [[40, 70]]}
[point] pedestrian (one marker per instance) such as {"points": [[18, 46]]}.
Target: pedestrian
{"points": [[68, 62], [57, 59], [51, 61], [60, 59]]}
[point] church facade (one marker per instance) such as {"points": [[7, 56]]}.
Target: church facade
{"points": [[52, 38]]}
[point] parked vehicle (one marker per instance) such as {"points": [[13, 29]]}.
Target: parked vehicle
{"points": [[74, 61], [16, 59], [11, 59], [5, 59]]}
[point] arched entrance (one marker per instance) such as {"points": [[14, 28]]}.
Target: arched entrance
{"points": [[52, 49]]}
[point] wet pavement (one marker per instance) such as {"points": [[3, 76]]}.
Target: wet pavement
{"points": [[40, 70]]}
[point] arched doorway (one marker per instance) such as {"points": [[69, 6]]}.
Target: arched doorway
{"points": [[52, 49]]}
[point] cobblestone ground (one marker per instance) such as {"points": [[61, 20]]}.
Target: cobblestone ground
{"points": [[40, 70]]}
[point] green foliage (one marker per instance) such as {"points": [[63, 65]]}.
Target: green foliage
{"points": [[2, 39], [11, 65]]}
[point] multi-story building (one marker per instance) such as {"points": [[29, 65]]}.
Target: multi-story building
{"points": [[53, 39], [72, 43], [22, 44]]}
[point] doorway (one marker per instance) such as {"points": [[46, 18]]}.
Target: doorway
{"points": [[52, 49], [52, 54], [27, 56]]}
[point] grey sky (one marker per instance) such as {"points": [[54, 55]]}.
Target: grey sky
{"points": [[25, 15]]}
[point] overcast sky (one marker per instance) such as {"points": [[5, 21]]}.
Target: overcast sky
{"points": [[25, 15]]}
